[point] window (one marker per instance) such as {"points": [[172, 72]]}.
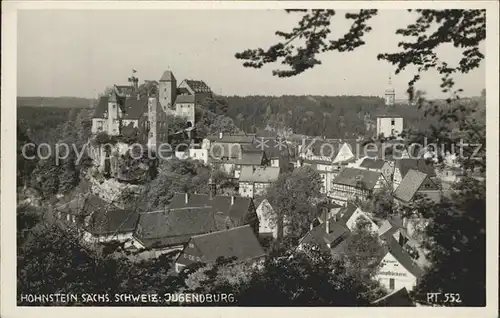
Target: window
{"points": [[393, 122], [391, 283]]}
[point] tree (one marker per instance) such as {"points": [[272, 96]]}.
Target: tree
{"points": [[215, 104], [456, 241], [293, 198], [451, 240], [363, 251], [148, 88], [301, 279], [462, 28]]}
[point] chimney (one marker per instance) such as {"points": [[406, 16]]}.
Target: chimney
{"points": [[211, 188], [232, 199], [186, 197], [327, 226]]}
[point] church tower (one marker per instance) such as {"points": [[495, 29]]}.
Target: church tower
{"points": [[390, 94]]}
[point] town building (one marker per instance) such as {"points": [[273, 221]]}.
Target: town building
{"points": [[98, 221], [416, 182], [402, 166], [239, 243], [397, 269], [355, 184], [326, 236], [254, 181], [389, 125], [136, 118], [386, 167], [351, 214], [170, 229], [182, 100]]}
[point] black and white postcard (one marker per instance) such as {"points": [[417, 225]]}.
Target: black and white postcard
{"points": [[249, 157]]}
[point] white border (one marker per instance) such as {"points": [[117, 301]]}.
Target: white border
{"points": [[8, 174]]}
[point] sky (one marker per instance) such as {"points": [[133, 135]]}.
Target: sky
{"points": [[79, 53]]}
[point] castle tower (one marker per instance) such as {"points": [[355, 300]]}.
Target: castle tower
{"points": [[113, 114], [153, 120], [390, 94], [167, 87]]}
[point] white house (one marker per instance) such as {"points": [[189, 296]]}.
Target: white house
{"points": [[390, 125], [397, 269], [351, 214]]}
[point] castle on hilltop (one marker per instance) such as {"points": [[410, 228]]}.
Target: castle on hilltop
{"points": [[126, 108]]}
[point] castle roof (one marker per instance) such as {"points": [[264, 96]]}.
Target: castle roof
{"points": [[133, 108], [167, 76]]}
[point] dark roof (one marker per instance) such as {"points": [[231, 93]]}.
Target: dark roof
{"points": [[234, 138], [167, 76], [422, 165], [398, 298], [126, 89], [105, 218], [198, 86], [347, 211], [259, 174], [220, 203], [219, 150], [359, 178], [84, 204], [185, 99], [174, 226], [250, 159], [113, 221], [272, 147], [372, 163], [134, 108], [401, 255], [239, 242], [182, 91], [410, 185], [338, 231]]}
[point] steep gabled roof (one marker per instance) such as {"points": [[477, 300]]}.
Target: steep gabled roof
{"points": [[410, 185], [402, 256], [259, 174], [134, 108], [359, 178], [198, 86], [338, 231], [347, 211], [175, 226], [239, 242], [167, 76], [220, 203]]}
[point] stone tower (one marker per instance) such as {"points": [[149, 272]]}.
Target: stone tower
{"points": [[113, 114], [167, 88], [390, 94], [152, 121]]}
